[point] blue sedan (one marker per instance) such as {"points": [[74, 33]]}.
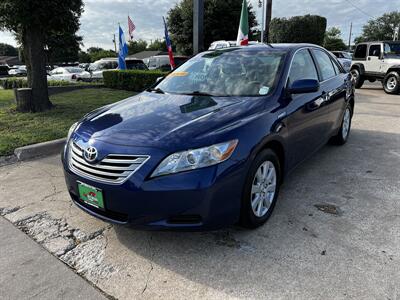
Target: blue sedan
{"points": [[210, 144]]}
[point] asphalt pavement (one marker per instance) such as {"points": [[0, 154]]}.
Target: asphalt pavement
{"points": [[335, 232]]}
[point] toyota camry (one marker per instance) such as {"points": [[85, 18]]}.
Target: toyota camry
{"points": [[209, 144]]}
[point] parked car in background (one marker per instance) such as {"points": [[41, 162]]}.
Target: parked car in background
{"points": [[84, 66], [4, 70], [377, 61], [135, 64], [344, 58], [70, 74], [96, 69], [161, 62], [18, 71], [209, 145]]}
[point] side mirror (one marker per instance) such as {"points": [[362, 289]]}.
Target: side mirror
{"points": [[304, 86]]}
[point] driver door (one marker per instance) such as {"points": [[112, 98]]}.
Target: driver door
{"points": [[306, 115], [374, 61]]}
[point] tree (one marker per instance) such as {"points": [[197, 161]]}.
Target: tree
{"points": [[333, 40], [158, 45], [221, 22], [63, 48], [298, 29], [380, 29], [96, 53], [8, 50], [35, 23], [136, 46], [84, 57]]}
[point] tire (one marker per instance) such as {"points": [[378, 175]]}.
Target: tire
{"points": [[343, 134], [268, 161], [391, 83], [357, 78]]}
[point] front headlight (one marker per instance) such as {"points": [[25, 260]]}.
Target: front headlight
{"points": [[196, 158], [71, 130]]}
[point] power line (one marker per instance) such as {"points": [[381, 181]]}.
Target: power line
{"points": [[359, 9]]}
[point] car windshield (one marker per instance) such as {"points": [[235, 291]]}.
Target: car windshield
{"points": [[392, 49], [226, 73]]}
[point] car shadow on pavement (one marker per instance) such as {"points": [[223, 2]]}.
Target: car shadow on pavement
{"points": [[331, 218]]}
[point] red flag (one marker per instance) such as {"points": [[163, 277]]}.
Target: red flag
{"points": [[169, 46], [131, 27]]}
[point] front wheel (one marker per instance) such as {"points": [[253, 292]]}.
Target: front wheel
{"points": [[344, 131], [261, 189], [391, 83], [357, 78]]}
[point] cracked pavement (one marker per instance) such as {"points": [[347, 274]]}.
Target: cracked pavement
{"points": [[335, 232]]}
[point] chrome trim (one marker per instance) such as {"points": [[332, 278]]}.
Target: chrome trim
{"points": [[114, 174]]}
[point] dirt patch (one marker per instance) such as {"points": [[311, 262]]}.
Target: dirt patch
{"points": [[329, 209]]}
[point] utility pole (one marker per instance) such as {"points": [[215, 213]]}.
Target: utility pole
{"points": [[115, 44], [261, 4], [351, 32], [268, 21], [198, 25]]}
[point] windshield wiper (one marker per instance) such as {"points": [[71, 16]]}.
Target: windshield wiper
{"points": [[157, 90], [198, 93]]}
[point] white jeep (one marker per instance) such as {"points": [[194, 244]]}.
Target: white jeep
{"points": [[377, 61]]}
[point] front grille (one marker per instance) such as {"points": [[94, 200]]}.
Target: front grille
{"points": [[114, 168]]}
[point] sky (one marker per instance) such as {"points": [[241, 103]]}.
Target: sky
{"points": [[101, 17]]}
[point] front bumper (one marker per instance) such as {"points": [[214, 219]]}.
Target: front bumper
{"points": [[203, 199]]}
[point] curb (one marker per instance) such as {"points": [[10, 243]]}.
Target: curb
{"points": [[41, 149]]}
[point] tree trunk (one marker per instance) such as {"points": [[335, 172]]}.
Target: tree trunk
{"points": [[36, 65]]}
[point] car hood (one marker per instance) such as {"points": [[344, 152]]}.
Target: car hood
{"points": [[165, 120]]}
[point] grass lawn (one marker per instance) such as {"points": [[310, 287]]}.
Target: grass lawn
{"points": [[21, 129]]}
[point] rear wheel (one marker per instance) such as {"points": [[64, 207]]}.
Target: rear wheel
{"points": [[344, 132], [391, 83], [261, 189], [357, 78]]}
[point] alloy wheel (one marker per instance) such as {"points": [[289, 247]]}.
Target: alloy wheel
{"points": [[391, 83], [263, 189], [346, 123]]}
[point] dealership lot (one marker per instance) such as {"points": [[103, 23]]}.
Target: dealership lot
{"points": [[335, 232]]}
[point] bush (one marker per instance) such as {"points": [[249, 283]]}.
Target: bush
{"points": [[299, 29], [131, 80], [16, 83]]}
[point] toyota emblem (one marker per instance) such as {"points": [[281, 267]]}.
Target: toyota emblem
{"points": [[90, 154]]}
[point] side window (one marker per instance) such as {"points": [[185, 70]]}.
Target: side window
{"points": [[325, 64], [374, 50], [152, 63], [361, 52], [303, 67], [337, 70]]}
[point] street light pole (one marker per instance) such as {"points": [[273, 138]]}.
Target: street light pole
{"points": [[268, 21], [262, 4], [351, 32], [198, 25]]}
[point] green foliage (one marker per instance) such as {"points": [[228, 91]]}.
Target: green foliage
{"points": [[158, 45], [95, 53], [84, 57], [221, 22], [21, 129], [380, 29], [298, 29], [136, 46], [8, 50], [131, 80], [333, 40], [16, 83]]}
